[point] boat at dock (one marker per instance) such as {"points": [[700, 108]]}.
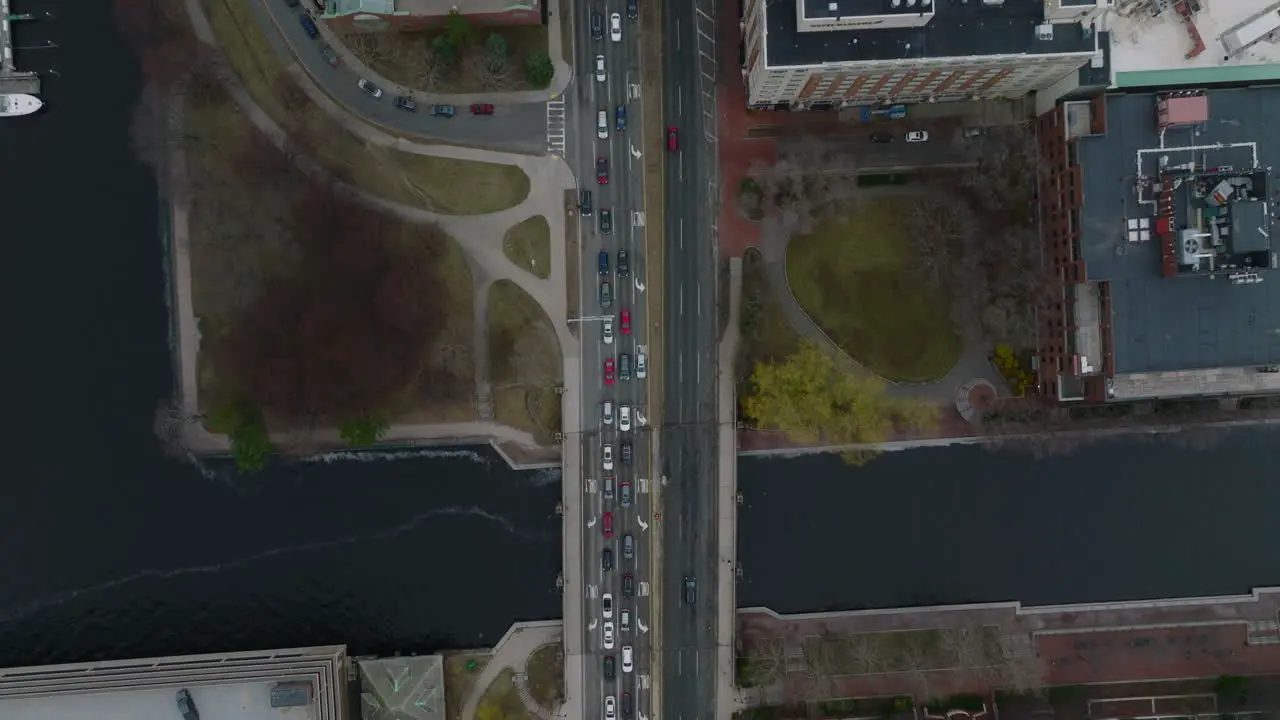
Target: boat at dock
{"points": [[15, 104]]}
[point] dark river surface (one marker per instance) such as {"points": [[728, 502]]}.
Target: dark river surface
{"points": [[108, 548]]}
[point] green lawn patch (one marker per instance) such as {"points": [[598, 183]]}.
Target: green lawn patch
{"points": [[852, 276], [528, 245], [766, 334], [546, 675], [501, 701], [525, 365]]}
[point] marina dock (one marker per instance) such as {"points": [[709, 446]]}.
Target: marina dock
{"points": [[13, 80]]}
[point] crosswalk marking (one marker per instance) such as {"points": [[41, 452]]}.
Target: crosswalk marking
{"points": [[555, 126]]}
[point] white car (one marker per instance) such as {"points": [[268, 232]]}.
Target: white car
{"points": [[615, 27], [642, 363], [602, 124], [627, 664], [607, 454], [624, 418], [608, 635], [917, 136], [369, 88], [610, 708], [624, 625], [600, 73], [608, 332], [606, 412], [606, 603]]}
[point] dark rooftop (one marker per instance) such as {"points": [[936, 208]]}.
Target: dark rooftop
{"points": [[1191, 321], [854, 8], [957, 29]]}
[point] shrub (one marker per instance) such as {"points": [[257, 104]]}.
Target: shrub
{"points": [[538, 69]]}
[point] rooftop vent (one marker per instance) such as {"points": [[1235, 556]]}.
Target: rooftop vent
{"points": [[992, 2], [911, 3], [833, 7], [897, 3], [1044, 32]]}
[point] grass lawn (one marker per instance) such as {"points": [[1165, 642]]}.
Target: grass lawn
{"points": [[766, 334], [528, 244], [525, 364], [404, 58], [546, 676], [444, 185], [502, 700], [459, 681], [852, 275]]}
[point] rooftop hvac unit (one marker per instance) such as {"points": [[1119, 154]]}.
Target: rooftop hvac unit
{"points": [[1044, 32], [992, 2]]}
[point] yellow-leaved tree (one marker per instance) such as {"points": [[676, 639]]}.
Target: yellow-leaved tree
{"points": [[813, 401]]}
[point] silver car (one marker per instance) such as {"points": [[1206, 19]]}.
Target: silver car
{"points": [[601, 76]]}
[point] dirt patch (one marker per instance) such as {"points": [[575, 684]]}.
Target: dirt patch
{"points": [[525, 362], [546, 675], [412, 59], [528, 245], [444, 185], [502, 701], [461, 670]]}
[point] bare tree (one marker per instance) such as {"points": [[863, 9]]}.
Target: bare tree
{"points": [[916, 660], [1020, 668], [867, 651], [808, 181], [489, 74], [766, 657]]}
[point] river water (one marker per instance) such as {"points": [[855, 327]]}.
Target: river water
{"points": [[108, 548]]}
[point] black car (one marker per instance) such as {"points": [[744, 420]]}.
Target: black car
{"points": [[597, 26], [405, 103], [628, 585], [606, 559], [626, 452], [627, 706], [624, 265], [606, 221], [291, 3], [187, 706], [633, 9], [881, 137], [610, 668], [690, 590], [584, 206]]}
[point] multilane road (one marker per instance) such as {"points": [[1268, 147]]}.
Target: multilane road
{"points": [[608, 519], [689, 433]]}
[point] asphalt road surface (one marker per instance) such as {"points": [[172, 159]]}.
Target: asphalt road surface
{"points": [[621, 196], [519, 127], [689, 422]]}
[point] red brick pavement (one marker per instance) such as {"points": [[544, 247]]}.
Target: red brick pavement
{"points": [[737, 151], [1079, 644]]}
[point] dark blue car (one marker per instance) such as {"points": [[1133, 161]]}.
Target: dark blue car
{"points": [[309, 25], [604, 262], [620, 118]]}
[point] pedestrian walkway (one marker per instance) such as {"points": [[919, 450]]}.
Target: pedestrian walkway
{"points": [[555, 127], [512, 653], [727, 504]]}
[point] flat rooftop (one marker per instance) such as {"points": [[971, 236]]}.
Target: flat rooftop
{"points": [[231, 686], [863, 8], [955, 30], [1192, 321], [1149, 48]]}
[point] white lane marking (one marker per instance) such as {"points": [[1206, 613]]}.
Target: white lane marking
{"points": [[677, 34], [681, 233], [681, 301], [679, 101], [699, 301], [680, 165]]}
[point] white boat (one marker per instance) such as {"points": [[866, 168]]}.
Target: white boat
{"points": [[15, 104]]}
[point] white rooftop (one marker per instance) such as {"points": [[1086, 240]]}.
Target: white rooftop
{"points": [[1150, 48], [239, 701]]}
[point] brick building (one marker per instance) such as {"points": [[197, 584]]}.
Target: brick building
{"points": [[377, 15], [1157, 219], [808, 54]]}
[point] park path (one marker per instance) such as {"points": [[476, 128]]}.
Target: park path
{"points": [[512, 652], [480, 237], [972, 363]]}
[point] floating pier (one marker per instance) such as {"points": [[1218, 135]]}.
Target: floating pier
{"points": [[13, 80]]}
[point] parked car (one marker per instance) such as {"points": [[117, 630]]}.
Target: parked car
{"points": [[444, 111], [187, 706], [601, 75], [405, 103], [330, 56], [606, 221], [309, 26], [368, 87], [881, 138], [615, 27], [602, 170], [917, 136], [673, 138], [482, 109]]}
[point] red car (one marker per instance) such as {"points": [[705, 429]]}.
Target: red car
{"points": [[608, 371], [607, 527], [602, 170], [673, 138], [482, 109], [626, 322]]}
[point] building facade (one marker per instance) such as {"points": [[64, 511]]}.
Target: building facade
{"points": [[805, 54], [408, 15]]}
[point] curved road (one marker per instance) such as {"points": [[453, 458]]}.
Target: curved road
{"points": [[518, 127]]}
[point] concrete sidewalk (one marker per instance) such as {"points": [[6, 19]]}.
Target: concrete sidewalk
{"points": [[727, 697], [513, 652]]}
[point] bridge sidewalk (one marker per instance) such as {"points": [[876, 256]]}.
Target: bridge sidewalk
{"points": [[727, 700]]}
